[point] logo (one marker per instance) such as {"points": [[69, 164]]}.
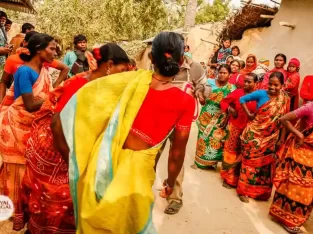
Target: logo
{"points": [[6, 208]]}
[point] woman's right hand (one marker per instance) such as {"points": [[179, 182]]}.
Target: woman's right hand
{"points": [[4, 50], [233, 112]]}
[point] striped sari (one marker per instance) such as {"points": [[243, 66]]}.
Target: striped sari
{"points": [[258, 142], [111, 187], [15, 127]]}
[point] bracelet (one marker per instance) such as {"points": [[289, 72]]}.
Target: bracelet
{"points": [[167, 185]]}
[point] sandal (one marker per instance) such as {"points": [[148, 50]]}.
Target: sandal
{"points": [[173, 208], [244, 199], [293, 230], [225, 185]]}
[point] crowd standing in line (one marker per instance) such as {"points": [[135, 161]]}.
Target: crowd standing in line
{"points": [[76, 151]]}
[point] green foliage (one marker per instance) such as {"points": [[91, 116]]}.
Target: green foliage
{"points": [[213, 13], [102, 20]]}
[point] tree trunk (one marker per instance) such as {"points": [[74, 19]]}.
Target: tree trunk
{"points": [[190, 17]]}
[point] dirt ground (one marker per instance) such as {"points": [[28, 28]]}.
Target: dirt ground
{"points": [[208, 207]]}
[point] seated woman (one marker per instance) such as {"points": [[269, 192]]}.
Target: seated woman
{"points": [[251, 64], [293, 199], [17, 111], [45, 208], [113, 146], [259, 138]]}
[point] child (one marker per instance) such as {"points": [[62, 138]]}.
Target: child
{"points": [[235, 52], [229, 59], [213, 56], [211, 72], [242, 64], [293, 83], [187, 51], [224, 52]]}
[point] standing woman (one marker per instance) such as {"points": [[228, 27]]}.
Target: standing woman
{"points": [[112, 144], [17, 111], [235, 77], [238, 120], [251, 64], [41, 186], [293, 199], [279, 62], [293, 83], [211, 136], [259, 138]]}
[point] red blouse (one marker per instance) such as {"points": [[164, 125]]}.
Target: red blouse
{"points": [[232, 100], [161, 111], [237, 79]]}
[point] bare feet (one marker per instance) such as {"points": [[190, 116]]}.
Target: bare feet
{"points": [[244, 199], [225, 185]]}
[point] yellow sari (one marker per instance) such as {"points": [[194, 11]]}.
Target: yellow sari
{"points": [[111, 187]]}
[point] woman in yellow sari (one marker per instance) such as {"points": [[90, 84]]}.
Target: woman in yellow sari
{"points": [[17, 111], [111, 131]]}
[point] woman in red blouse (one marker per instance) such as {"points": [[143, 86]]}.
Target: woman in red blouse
{"points": [[306, 91], [238, 120], [235, 77]]}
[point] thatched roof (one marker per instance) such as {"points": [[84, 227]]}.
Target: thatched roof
{"points": [[18, 5], [249, 16]]}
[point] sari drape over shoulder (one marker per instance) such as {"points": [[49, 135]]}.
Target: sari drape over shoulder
{"points": [[15, 127], [111, 187], [293, 199], [258, 142]]}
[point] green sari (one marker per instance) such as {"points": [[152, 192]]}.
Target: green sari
{"points": [[211, 137]]}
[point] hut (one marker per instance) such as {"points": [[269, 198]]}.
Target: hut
{"points": [[25, 6]]}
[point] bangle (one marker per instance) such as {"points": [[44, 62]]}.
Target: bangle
{"points": [[167, 185]]}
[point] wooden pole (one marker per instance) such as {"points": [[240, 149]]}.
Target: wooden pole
{"points": [[267, 16]]}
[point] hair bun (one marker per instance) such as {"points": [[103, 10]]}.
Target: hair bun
{"points": [[169, 67]]}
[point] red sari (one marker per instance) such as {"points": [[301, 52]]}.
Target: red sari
{"points": [[45, 195], [293, 199], [292, 88], [231, 156], [237, 79], [258, 142]]}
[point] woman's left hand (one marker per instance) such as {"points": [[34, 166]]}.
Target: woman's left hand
{"points": [[166, 190]]}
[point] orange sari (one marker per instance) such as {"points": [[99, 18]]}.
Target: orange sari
{"points": [[293, 200], [15, 126], [258, 142]]}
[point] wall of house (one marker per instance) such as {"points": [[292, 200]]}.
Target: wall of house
{"points": [[267, 42]]}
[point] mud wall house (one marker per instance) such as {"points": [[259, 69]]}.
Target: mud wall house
{"points": [[265, 37]]}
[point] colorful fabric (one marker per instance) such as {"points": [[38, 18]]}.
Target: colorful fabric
{"points": [[211, 136], [264, 84], [260, 96], [104, 177], [306, 91], [237, 79], [232, 100], [292, 88], [258, 142], [293, 199], [231, 157], [3, 43], [305, 113], [247, 69], [222, 55], [45, 201], [171, 107]]}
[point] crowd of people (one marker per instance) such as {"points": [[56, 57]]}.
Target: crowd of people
{"points": [[78, 155]]}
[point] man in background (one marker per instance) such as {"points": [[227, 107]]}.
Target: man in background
{"points": [[4, 49], [7, 27], [76, 59], [17, 41]]}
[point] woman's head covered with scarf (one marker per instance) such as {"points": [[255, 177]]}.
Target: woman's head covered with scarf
{"points": [[294, 65], [251, 64]]}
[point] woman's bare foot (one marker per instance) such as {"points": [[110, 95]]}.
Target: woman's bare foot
{"points": [[244, 199], [225, 185]]}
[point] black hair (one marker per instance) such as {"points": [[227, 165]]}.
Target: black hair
{"points": [[27, 26], [187, 46], [213, 67], [8, 22], [79, 38], [225, 66], [283, 56], [237, 61], [254, 76], [113, 52], [167, 51], [278, 75], [3, 14], [235, 48], [29, 35], [242, 64], [226, 39], [132, 62], [37, 42]]}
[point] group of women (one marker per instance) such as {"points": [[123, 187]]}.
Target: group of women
{"points": [[81, 158], [253, 133]]}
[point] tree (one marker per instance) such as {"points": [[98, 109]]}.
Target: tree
{"points": [[213, 13], [102, 20], [190, 17]]}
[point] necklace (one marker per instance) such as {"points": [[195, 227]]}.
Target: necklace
{"points": [[162, 81]]}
